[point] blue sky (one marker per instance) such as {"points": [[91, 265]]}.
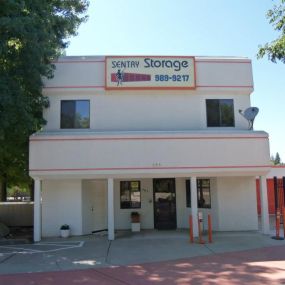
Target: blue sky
{"points": [[188, 27]]}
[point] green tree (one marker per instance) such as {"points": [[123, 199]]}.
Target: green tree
{"points": [[277, 159], [33, 33], [275, 50]]}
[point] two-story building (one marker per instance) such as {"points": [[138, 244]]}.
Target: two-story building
{"points": [[161, 136]]}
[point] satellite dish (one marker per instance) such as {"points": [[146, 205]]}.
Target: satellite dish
{"points": [[249, 114]]}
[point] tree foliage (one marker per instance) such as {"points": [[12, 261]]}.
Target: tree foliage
{"points": [[276, 160], [33, 33], [275, 50]]}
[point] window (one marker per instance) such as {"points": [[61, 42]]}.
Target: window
{"points": [[188, 194], [203, 193], [75, 114], [220, 112], [130, 193]]}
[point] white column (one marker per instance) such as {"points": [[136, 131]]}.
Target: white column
{"points": [[37, 211], [264, 205], [194, 205], [111, 230]]}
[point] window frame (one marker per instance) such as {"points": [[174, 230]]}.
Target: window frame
{"points": [[188, 193], [199, 191], [220, 115], [74, 115], [131, 205]]}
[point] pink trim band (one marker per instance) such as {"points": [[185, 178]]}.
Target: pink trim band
{"points": [[222, 61], [225, 86], [80, 61], [146, 168], [103, 86], [67, 87], [142, 138], [199, 61], [278, 166]]}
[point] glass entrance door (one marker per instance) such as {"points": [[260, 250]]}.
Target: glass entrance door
{"points": [[164, 198]]}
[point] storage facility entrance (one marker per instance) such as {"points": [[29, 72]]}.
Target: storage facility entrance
{"points": [[164, 198]]}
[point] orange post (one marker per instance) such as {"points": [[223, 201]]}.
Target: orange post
{"points": [[210, 238], [191, 229], [284, 222]]}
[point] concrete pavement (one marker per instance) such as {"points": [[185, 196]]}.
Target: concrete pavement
{"points": [[149, 257]]}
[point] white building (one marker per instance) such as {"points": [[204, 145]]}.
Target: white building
{"points": [[161, 136]]}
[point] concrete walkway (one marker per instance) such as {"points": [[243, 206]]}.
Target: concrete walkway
{"points": [[146, 258]]}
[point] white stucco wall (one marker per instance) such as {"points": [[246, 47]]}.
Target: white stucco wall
{"points": [[183, 212], [84, 78], [129, 110], [147, 153], [145, 134], [276, 170], [214, 206], [237, 203], [219, 72], [61, 204], [122, 216], [233, 205], [78, 71]]}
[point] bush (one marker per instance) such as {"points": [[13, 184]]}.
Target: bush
{"points": [[64, 227]]}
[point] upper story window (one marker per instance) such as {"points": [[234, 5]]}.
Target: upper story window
{"points": [[75, 114], [220, 113]]}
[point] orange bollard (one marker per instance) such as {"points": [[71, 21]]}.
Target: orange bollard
{"points": [[210, 239], [284, 222], [191, 229]]}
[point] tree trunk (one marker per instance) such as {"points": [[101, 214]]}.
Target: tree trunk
{"points": [[32, 190], [3, 191]]}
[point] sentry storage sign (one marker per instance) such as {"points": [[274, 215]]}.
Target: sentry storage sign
{"points": [[150, 72]]}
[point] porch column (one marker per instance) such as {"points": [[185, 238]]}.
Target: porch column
{"points": [[111, 231], [264, 205], [194, 205], [37, 211]]}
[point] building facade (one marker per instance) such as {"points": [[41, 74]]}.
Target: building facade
{"points": [[162, 136]]}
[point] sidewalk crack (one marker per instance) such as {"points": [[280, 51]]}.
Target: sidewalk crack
{"points": [[113, 278], [211, 250], [108, 251], [58, 265], [7, 258]]}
